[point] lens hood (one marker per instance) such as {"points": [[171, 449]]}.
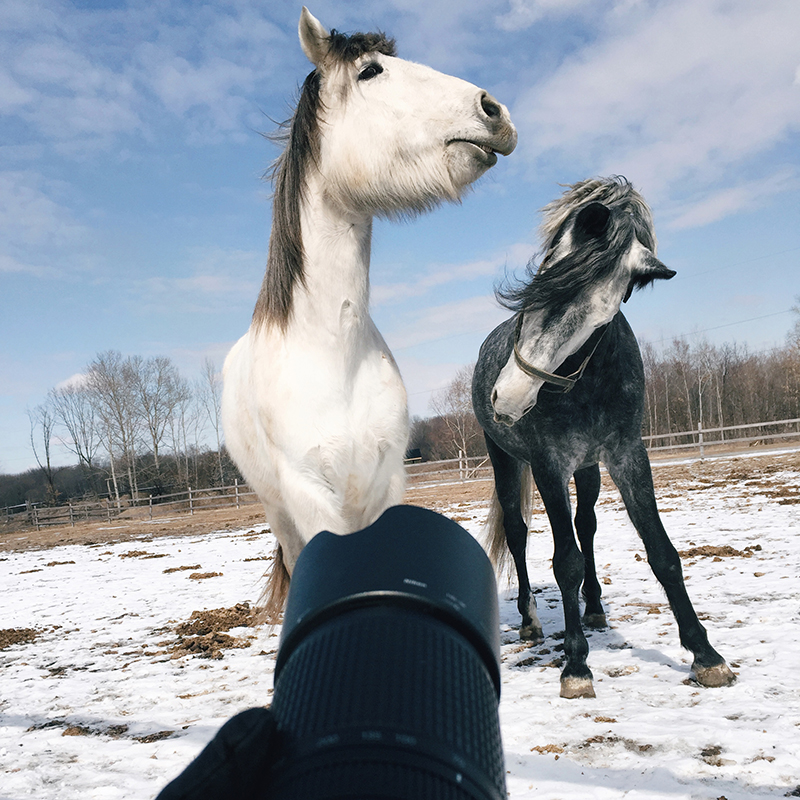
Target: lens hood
{"points": [[409, 557]]}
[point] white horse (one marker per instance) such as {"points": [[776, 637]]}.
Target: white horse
{"points": [[314, 408]]}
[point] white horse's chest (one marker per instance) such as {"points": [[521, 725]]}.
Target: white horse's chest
{"points": [[329, 416]]}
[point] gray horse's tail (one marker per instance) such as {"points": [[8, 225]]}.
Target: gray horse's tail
{"points": [[273, 598], [495, 532]]}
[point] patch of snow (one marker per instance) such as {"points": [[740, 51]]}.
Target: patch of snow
{"points": [[101, 669]]}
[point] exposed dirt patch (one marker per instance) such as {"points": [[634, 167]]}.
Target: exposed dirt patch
{"points": [[724, 551], [111, 731], [142, 554], [628, 744], [548, 748], [712, 755], [170, 570], [12, 636], [204, 634]]}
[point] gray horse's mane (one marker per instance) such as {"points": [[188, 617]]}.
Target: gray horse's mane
{"points": [[554, 285], [300, 139], [614, 192]]}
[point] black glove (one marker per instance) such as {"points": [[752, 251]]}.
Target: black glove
{"points": [[235, 763]]}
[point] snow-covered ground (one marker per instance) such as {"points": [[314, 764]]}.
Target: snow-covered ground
{"points": [[96, 706]]}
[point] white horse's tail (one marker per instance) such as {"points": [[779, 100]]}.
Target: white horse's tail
{"points": [[495, 532], [273, 598]]}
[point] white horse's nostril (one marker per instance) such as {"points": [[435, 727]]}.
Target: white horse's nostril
{"points": [[490, 106], [494, 396]]}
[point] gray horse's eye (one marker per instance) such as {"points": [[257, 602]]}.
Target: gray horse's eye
{"points": [[370, 71]]}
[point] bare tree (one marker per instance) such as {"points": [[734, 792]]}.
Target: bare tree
{"points": [[156, 387], [210, 395], [110, 380], [454, 405], [73, 409], [182, 420], [43, 422]]}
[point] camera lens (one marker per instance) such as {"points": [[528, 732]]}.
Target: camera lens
{"points": [[387, 678]]}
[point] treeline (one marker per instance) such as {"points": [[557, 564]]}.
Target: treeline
{"points": [[717, 387], [686, 385], [135, 425]]}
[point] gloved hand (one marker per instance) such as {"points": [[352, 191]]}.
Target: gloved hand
{"points": [[234, 764]]}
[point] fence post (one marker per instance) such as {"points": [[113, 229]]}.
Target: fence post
{"points": [[236, 490], [36, 518], [700, 438], [71, 515], [151, 506], [108, 510], [191, 505]]}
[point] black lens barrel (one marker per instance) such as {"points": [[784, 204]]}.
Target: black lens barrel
{"points": [[387, 678]]}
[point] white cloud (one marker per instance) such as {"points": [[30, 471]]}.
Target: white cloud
{"points": [[11, 265], [75, 381], [723, 203], [437, 276], [673, 98], [433, 323], [217, 280], [30, 217], [524, 13], [95, 76]]}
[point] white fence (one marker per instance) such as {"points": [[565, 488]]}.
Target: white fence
{"points": [[699, 443], [704, 439]]}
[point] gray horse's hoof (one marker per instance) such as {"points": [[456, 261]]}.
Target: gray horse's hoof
{"points": [[577, 687], [713, 677], [531, 633], [595, 621]]}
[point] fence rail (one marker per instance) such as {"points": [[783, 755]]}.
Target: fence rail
{"points": [[704, 438], [704, 441], [144, 506]]}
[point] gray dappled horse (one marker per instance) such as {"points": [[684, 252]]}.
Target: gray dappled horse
{"points": [[560, 387]]}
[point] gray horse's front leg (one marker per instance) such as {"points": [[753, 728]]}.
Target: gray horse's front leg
{"points": [[634, 479], [568, 567]]}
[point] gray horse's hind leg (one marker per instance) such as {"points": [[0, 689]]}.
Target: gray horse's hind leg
{"points": [[508, 482], [634, 479], [587, 490]]}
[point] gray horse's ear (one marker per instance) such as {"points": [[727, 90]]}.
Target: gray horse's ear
{"points": [[592, 220], [313, 37]]}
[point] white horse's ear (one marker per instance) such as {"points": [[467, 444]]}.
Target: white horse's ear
{"points": [[313, 37]]}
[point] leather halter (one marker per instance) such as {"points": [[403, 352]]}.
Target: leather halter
{"points": [[564, 382]]}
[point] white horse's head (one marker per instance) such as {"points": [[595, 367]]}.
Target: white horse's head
{"points": [[600, 247], [396, 137]]}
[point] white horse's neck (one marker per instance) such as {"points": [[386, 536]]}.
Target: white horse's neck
{"points": [[337, 254]]}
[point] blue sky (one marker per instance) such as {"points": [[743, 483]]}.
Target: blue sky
{"points": [[133, 215]]}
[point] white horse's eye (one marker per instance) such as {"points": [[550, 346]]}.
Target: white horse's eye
{"points": [[370, 71]]}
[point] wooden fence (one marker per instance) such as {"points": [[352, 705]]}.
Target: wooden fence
{"points": [[709, 440], [700, 443], [143, 507]]}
